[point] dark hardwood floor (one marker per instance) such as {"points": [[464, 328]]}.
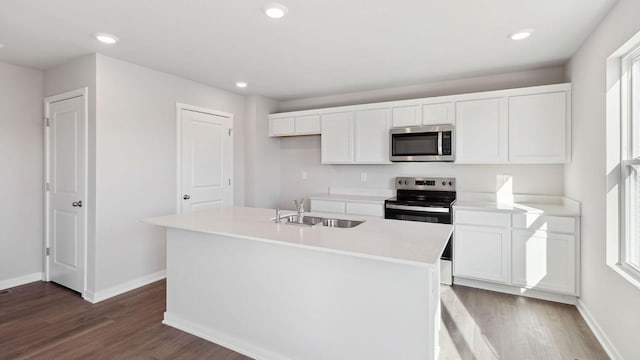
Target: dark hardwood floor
{"points": [[46, 321]]}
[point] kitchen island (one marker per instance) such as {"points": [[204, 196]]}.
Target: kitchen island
{"points": [[281, 291]]}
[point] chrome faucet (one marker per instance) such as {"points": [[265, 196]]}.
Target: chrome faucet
{"points": [[277, 215], [300, 208]]}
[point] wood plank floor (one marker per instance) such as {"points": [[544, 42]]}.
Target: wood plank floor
{"points": [[46, 321]]}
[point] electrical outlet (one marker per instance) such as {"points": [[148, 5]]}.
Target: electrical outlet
{"points": [[363, 177], [304, 175]]}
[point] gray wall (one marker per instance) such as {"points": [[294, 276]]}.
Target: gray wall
{"points": [[613, 302], [303, 153], [136, 162], [21, 180]]}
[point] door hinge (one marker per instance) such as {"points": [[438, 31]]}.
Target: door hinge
{"points": [[229, 182], [46, 251], [47, 187], [46, 122], [229, 131]]}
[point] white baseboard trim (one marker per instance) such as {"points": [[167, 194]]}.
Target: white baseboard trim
{"points": [[598, 332], [96, 297], [514, 290], [21, 280], [221, 338]]}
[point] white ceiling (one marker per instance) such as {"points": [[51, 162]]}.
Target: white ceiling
{"points": [[319, 48]]}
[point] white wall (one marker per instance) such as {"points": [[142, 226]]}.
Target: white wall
{"points": [[303, 153], [22, 176], [262, 168], [136, 162], [77, 74], [613, 302]]}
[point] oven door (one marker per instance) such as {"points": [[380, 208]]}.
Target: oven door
{"points": [[417, 213]]}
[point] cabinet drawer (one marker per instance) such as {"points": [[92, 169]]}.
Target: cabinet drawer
{"points": [[536, 222], [328, 206], [367, 209], [483, 218]]}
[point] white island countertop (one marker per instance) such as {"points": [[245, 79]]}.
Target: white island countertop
{"points": [[407, 242]]}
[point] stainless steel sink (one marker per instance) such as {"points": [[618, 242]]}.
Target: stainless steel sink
{"points": [[306, 220], [341, 223], [319, 221]]}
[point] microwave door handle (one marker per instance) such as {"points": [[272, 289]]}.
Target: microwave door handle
{"points": [[440, 142]]}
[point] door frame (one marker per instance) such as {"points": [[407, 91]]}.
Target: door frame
{"points": [[82, 92], [179, 108]]}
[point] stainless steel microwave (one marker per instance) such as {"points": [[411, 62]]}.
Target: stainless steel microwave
{"points": [[423, 143]]}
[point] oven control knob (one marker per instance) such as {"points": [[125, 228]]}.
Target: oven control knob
{"points": [[406, 182], [400, 182], [444, 183], [450, 183]]}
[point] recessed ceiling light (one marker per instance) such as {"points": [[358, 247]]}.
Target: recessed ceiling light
{"points": [[107, 38], [241, 84], [275, 11], [521, 34]]}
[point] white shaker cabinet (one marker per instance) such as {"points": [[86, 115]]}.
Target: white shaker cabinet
{"points": [[307, 125], [544, 261], [482, 252], [337, 140], [405, 116], [282, 126], [372, 136], [482, 131], [438, 114], [538, 128]]}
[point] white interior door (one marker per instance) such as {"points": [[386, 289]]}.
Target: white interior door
{"points": [[206, 154], [66, 205]]}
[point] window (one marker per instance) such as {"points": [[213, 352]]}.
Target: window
{"points": [[630, 156]]}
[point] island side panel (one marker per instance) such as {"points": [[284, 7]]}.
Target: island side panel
{"points": [[273, 301]]}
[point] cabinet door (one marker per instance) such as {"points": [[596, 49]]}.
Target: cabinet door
{"points": [[372, 136], [538, 128], [437, 114], [337, 138], [544, 261], [407, 116], [306, 125], [482, 131], [482, 253], [281, 126]]}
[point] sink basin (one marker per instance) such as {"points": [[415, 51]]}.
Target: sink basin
{"points": [[341, 223], [306, 220], [314, 220]]}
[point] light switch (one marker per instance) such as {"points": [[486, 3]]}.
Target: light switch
{"points": [[304, 175], [363, 177]]}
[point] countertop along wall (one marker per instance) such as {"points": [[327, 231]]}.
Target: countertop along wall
{"points": [[21, 177], [298, 154], [613, 302]]}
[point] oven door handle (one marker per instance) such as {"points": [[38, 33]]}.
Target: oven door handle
{"points": [[418, 208]]}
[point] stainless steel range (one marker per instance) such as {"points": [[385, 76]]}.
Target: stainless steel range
{"points": [[427, 200]]}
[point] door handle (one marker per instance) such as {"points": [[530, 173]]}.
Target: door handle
{"points": [[186, 197], [77, 203]]}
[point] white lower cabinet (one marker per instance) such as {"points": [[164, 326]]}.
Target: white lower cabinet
{"points": [[522, 250], [348, 207], [482, 252], [544, 261]]}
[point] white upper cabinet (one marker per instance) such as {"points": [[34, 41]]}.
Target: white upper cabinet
{"points": [[281, 126], [513, 126], [482, 131], [306, 125], [405, 116], [438, 114], [337, 140], [538, 128], [299, 125], [372, 136]]}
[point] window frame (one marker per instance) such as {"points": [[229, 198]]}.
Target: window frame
{"points": [[629, 144]]}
